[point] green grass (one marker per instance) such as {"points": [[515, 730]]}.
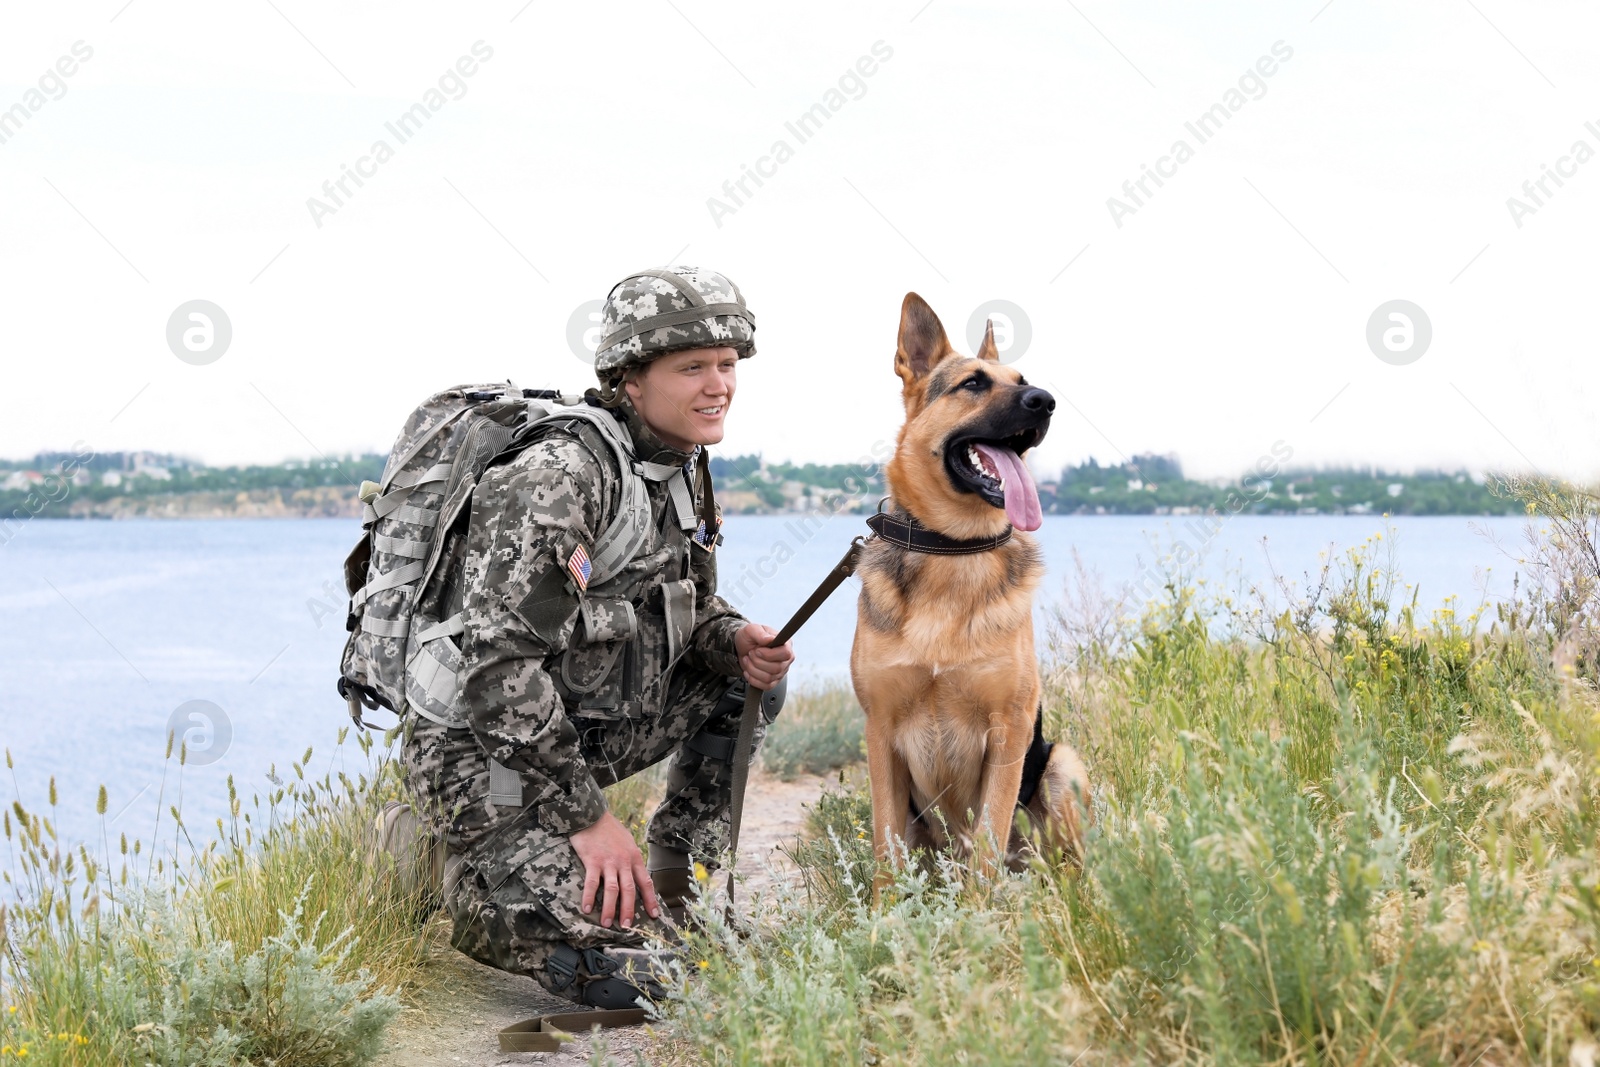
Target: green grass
{"points": [[1347, 832], [279, 936], [820, 729]]}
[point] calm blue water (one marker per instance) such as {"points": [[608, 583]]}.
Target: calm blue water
{"points": [[108, 631]]}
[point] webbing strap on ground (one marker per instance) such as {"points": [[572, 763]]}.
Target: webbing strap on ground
{"points": [[544, 1033], [752, 699]]}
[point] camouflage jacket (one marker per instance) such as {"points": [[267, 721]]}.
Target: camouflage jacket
{"points": [[544, 660]]}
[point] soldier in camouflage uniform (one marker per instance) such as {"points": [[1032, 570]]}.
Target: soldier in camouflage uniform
{"points": [[575, 685]]}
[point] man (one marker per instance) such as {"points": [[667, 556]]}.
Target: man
{"points": [[572, 685]]}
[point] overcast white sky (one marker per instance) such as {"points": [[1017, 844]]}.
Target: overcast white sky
{"points": [[1229, 312]]}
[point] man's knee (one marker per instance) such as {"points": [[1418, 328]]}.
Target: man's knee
{"points": [[498, 922], [608, 977]]}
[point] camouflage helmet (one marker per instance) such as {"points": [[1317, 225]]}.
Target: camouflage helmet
{"points": [[652, 312]]}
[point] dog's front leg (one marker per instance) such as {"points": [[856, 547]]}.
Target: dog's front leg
{"points": [[891, 798], [1005, 749]]}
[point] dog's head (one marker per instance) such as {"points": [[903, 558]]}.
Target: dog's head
{"points": [[958, 464]]}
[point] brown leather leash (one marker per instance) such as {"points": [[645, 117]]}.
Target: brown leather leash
{"points": [[742, 754]]}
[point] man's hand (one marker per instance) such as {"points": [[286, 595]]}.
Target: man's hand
{"points": [[612, 866], [763, 667]]}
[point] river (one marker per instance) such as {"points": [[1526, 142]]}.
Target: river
{"points": [[112, 633]]}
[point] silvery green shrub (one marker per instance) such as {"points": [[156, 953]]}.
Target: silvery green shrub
{"points": [[196, 1001]]}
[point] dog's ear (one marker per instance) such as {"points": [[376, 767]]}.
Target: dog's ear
{"points": [[922, 340], [987, 350]]}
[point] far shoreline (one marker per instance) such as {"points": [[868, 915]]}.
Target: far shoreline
{"points": [[142, 515]]}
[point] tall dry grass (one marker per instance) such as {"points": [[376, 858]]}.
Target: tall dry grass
{"points": [[278, 935]]}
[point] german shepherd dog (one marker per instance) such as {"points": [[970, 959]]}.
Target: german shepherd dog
{"points": [[943, 661]]}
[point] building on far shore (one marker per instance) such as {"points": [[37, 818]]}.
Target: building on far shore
{"points": [[22, 480]]}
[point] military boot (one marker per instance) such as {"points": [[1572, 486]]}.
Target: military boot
{"points": [[675, 890], [418, 855]]}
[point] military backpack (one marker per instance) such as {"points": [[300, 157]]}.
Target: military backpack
{"points": [[403, 652]]}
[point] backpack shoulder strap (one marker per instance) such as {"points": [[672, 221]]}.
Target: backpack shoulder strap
{"points": [[677, 481], [631, 524]]}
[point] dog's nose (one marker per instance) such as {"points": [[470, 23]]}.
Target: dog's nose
{"points": [[1035, 399]]}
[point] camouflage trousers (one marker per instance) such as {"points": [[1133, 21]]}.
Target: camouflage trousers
{"points": [[516, 895]]}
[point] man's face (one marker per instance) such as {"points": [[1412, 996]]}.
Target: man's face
{"points": [[684, 396]]}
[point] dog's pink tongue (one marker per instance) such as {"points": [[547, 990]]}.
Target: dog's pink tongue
{"points": [[1022, 497]]}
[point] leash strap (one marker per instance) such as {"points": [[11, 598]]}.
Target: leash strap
{"points": [[742, 754], [545, 1033]]}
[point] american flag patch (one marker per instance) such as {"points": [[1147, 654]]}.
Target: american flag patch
{"points": [[579, 567], [700, 535]]}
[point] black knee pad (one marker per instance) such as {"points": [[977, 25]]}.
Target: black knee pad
{"points": [[716, 746], [611, 993], [772, 700], [732, 703], [592, 977]]}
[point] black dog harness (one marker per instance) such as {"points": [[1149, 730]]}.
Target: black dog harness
{"points": [[1033, 765], [1034, 762]]}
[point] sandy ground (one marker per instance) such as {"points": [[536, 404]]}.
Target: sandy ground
{"points": [[463, 1029]]}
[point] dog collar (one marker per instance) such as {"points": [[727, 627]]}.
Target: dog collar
{"points": [[912, 536]]}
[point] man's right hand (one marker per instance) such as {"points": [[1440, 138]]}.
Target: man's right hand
{"points": [[612, 868]]}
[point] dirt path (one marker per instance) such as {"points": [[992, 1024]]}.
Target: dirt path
{"points": [[462, 1029]]}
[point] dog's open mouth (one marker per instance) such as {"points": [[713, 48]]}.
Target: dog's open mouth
{"points": [[995, 471]]}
